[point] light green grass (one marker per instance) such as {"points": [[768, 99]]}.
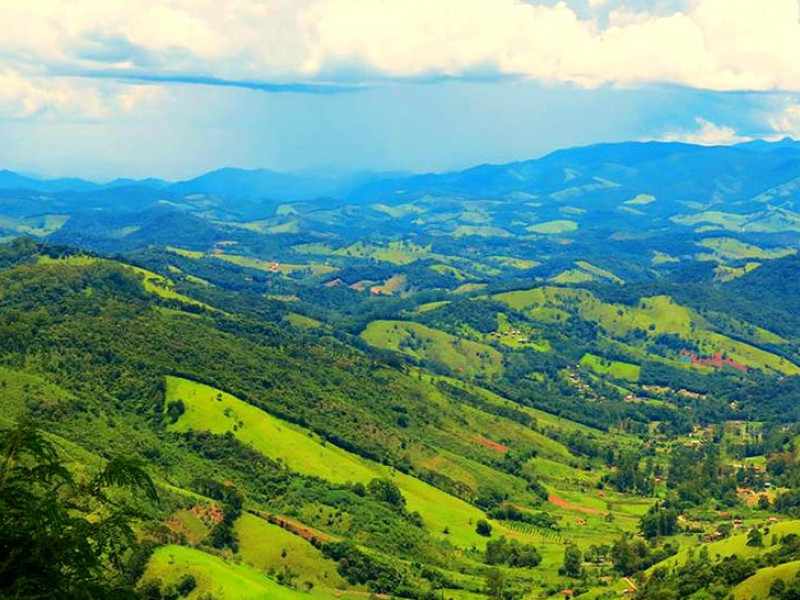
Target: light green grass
{"points": [[423, 308], [216, 576], [266, 547], [773, 221], [661, 258], [612, 368], [398, 211], [556, 227], [284, 268], [469, 288], [736, 544], [595, 270], [186, 253], [726, 273], [208, 409], [480, 231], [515, 263], [426, 343], [154, 283], [641, 200], [449, 270], [757, 586], [302, 321], [572, 276], [733, 249]]}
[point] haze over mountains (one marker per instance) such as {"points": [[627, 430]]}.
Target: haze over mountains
{"points": [[485, 179], [586, 194]]}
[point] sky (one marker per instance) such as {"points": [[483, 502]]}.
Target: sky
{"points": [[173, 88]]}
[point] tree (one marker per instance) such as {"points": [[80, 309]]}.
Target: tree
{"points": [[387, 491], [573, 562], [50, 546], [495, 583], [483, 527], [659, 521], [755, 538]]}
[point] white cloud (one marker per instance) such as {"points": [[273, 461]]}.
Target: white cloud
{"points": [[712, 44], [27, 97], [707, 134], [786, 122]]}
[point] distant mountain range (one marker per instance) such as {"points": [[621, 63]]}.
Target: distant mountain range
{"points": [[655, 165], [252, 184], [630, 193]]}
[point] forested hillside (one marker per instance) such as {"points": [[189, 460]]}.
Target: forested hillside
{"points": [[567, 377]]}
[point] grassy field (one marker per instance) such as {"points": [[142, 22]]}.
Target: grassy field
{"points": [[515, 263], [573, 276], [208, 409], [266, 547], [480, 231], [612, 368], [218, 577], [641, 200], [556, 227], [757, 586], [186, 253], [733, 249], [19, 389], [655, 315], [736, 544], [284, 268], [774, 221], [153, 283], [425, 343], [595, 270], [302, 321]]}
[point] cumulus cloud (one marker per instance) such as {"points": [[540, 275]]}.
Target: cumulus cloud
{"points": [[300, 44], [786, 122], [24, 97], [707, 134]]}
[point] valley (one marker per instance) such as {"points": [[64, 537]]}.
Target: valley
{"points": [[568, 377]]}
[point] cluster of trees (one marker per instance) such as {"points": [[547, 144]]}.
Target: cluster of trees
{"points": [[659, 521], [509, 512], [63, 535], [232, 502], [630, 555], [513, 554], [359, 568]]}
